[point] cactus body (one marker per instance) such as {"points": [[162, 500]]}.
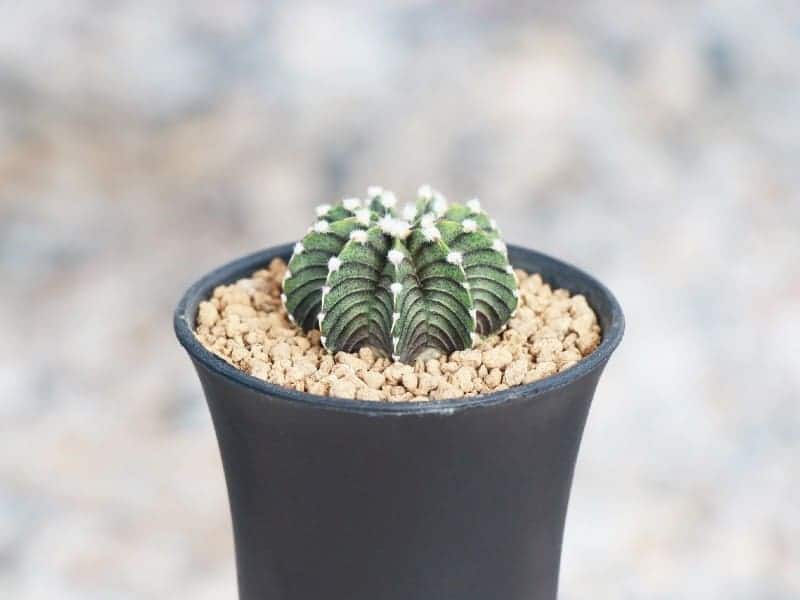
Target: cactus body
{"points": [[427, 281]]}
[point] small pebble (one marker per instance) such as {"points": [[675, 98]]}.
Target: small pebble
{"points": [[497, 358], [373, 380], [343, 389], [515, 373], [207, 314]]}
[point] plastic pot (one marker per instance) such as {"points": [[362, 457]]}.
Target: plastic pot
{"points": [[349, 500]]}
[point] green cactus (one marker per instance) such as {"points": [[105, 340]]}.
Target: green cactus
{"points": [[430, 280]]}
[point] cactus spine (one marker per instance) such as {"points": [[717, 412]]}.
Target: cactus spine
{"points": [[428, 280]]}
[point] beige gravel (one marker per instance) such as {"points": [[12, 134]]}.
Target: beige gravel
{"points": [[245, 324]]}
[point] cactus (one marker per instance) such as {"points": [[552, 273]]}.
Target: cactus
{"points": [[430, 279]]}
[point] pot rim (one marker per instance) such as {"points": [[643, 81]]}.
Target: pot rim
{"points": [[185, 315]]}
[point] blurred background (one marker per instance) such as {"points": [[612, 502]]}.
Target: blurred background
{"points": [[653, 143]]}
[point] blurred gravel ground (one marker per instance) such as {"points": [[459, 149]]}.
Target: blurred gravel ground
{"points": [[655, 144]]}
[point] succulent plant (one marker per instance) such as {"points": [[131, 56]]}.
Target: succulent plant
{"points": [[430, 279]]}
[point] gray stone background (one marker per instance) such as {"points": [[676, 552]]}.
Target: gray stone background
{"points": [[654, 143]]}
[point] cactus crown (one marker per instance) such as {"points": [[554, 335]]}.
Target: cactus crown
{"points": [[430, 279]]}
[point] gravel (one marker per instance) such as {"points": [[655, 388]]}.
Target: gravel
{"points": [[245, 324]]}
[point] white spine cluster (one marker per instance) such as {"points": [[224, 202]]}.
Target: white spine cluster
{"points": [[427, 220], [396, 257], [385, 223], [363, 216], [323, 209], [474, 205], [359, 235], [396, 228], [425, 192], [455, 258], [469, 225], [409, 212], [431, 234], [396, 288], [439, 204], [499, 246], [298, 248], [322, 227], [402, 229], [334, 264], [351, 204], [388, 199]]}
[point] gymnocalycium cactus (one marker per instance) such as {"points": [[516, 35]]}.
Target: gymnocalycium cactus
{"points": [[430, 280]]}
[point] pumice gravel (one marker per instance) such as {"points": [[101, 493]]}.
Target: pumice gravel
{"points": [[246, 324]]}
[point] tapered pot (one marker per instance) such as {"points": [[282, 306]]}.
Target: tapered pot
{"points": [[336, 499]]}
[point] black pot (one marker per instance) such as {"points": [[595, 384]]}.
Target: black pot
{"points": [[338, 499]]}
